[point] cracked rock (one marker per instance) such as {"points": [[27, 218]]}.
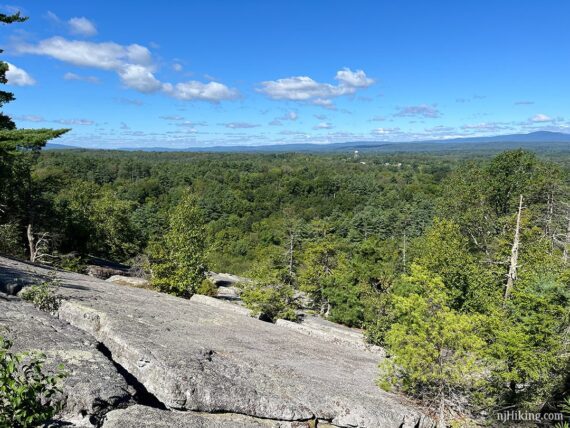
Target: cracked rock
{"points": [[93, 385]]}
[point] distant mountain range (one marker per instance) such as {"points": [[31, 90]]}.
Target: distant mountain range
{"points": [[541, 140]]}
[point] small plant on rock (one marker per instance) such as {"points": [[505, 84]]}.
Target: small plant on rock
{"points": [[44, 296], [28, 395], [207, 288]]}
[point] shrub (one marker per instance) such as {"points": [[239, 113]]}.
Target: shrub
{"points": [[270, 301], [28, 395], [207, 288], [10, 240], [43, 296]]}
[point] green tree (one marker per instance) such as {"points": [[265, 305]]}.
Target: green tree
{"points": [[435, 350], [444, 251], [19, 151], [268, 294], [5, 97], [177, 260]]}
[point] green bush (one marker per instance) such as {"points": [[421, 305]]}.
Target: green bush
{"points": [[10, 239], [207, 288], [270, 301], [28, 395], [43, 296]]}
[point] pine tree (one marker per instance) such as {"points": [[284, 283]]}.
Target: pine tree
{"points": [[435, 349], [19, 150], [5, 97], [178, 263]]}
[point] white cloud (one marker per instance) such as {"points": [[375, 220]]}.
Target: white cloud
{"points": [[303, 88], [540, 118], [194, 90], [73, 76], [177, 67], [132, 63], [240, 125], [18, 77], [105, 56], [30, 118], [354, 79], [386, 131], [486, 127], [139, 77], [423, 110], [85, 122], [323, 125], [82, 26], [171, 117]]}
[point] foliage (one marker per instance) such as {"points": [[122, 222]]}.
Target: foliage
{"points": [[435, 350], [21, 202], [43, 296], [28, 395], [10, 239], [270, 301], [346, 234], [207, 288], [177, 261]]}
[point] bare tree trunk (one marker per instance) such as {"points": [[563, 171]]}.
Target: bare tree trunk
{"points": [[31, 242], [512, 275], [548, 228], [441, 412]]}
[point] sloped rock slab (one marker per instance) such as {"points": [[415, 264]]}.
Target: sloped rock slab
{"points": [[198, 357], [148, 417], [93, 385], [316, 327], [129, 281]]}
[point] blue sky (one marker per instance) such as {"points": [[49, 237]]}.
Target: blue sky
{"points": [[209, 73]]}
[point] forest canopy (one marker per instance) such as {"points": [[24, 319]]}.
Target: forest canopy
{"points": [[377, 242]]}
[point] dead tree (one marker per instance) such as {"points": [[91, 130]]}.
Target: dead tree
{"points": [[562, 239], [513, 265], [38, 246]]}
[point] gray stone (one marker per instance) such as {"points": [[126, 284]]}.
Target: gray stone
{"points": [[225, 279], [103, 272], [221, 304], [229, 293], [148, 417], [130, 281], [334, 333], [195, 356], [93, 385]]}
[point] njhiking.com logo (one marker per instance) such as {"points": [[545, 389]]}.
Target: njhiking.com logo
{"points": [[521, 416]]}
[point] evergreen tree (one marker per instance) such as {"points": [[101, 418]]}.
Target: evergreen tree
{"points": [[177, 261], [19, 151], [435, 350], [5, 97]]}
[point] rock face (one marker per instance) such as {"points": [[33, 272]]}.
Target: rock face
{"points": [[102, 272], [147, 417], [129, 281], [333, 333], [197, 357], [93, 386], [225, 279]]}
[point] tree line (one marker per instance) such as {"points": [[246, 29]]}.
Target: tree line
{"points": [[457, 265]]}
